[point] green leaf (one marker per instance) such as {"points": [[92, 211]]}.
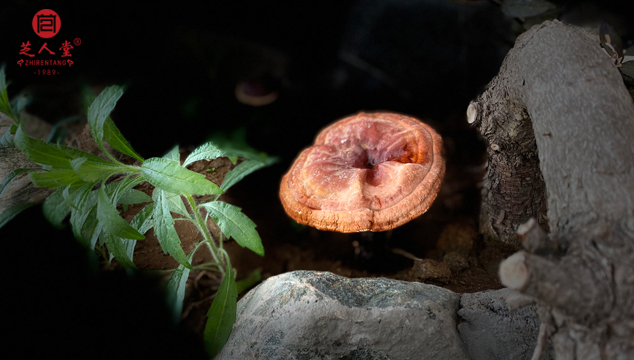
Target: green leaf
{"points": [[235, 145], [3, 86], [53, 179], [88, 227], [133, 196], [117, 247], [169, 176], [112, 222], [248, 282], [205, 151], [40, 152], [21, 102], [526, 8], [89, 171], [6, 140], [76, 153], [58, 132], [165, 231], [12, 212], [143, 221], [176, 289], [83, 198], [55, 209], [222, 314], [239, 172], [100, 109], [6, 106], [129, 248], [113, 136], [233, 223], [6, 182], [173, 155], [175, 202], [117, 189]]}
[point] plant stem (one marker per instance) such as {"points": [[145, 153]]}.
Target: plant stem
{"points": [[202, 227]]}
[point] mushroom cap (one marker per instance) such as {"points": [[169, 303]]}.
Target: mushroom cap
{"points": [[366, 172]]}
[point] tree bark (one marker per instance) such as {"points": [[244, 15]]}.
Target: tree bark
{"points": [[558, 111]]}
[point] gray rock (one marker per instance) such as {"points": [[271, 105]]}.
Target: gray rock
{"points": [[491, 331], [318, 315]]}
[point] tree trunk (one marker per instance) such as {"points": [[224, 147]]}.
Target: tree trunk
{"points": [[560, 128]]}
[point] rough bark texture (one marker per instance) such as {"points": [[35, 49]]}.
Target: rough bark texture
{"points": [[558, 110]]}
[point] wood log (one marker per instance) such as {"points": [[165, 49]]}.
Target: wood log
{"points": [[558, 110]]}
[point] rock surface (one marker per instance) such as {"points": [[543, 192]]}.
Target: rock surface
{"points": [[491, 331], [319, 315]]}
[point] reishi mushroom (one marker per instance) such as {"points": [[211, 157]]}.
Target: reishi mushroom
{"points": [[367, 172]]}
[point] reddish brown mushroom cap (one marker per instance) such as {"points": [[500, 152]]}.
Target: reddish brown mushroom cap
{"points": [[367, 172]]}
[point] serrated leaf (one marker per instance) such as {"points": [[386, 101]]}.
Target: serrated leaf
{"points": [[75, 194], [117, 248], [84, 198], [55, 209], [87, 227], [129, 248], [53, 179], [169, 176], [116, 189], [12, 212], [89, 171], [113, 136], [233, 223], [205, 151], [83, 202], [165, 231], [526, 8], [173, 155], [176, 289], [40, 152], [175, 202], [99, 110], [239, 172], [133, 196], [221, 314], [112, 222], [143, 221], [6, 182]]}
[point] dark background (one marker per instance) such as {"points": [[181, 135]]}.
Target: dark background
{"points": [[180, 63]]}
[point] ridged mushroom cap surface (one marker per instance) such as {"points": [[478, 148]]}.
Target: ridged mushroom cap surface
{"points": [[366, 172]]}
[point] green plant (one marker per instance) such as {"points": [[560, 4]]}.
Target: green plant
{"points": [[90, 187]]}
